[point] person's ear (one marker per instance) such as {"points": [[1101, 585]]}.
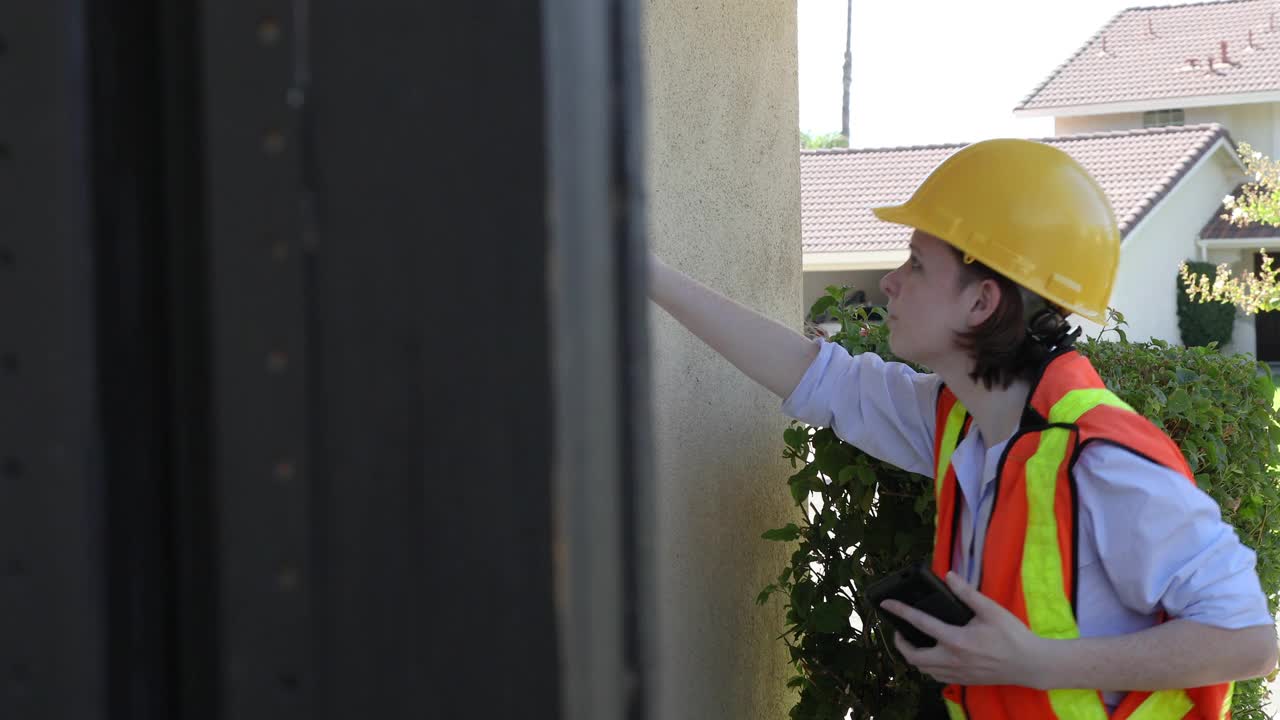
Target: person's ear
{"points": [[986, 299]]}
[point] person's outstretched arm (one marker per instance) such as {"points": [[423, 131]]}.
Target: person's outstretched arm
{"points": [[767, 351]]}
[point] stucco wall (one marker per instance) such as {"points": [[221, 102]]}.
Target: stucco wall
{"points": [[1146, 284], [724, 206]]}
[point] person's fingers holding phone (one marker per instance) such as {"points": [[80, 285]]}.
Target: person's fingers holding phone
{"points": [[994, 648]]}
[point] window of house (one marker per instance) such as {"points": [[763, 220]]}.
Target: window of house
{"points": [[1162, 118]]}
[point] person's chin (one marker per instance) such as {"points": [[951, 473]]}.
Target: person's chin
{"points": [[900, 349], [894, 344]]}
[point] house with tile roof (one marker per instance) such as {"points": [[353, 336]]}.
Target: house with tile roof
{"points": [[1212, 62], [1152, 106]]}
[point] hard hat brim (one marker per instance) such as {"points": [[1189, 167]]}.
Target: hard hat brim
{"points": [[896, 214]]}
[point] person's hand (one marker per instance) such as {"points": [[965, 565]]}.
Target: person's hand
{"points": [[994, 648]]}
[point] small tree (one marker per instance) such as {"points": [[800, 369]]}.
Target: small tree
{"points": [[1203, 323], [819, 142], [1251, 292], [848, 72], [1258, 202]]}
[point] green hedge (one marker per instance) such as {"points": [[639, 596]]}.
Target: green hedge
{"points": [[1203, 323], [861, 517]]}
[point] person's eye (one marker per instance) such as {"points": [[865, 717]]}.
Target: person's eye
{"points": [[914, 263]]}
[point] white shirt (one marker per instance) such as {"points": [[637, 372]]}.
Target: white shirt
{"points": [[1149, 540]]}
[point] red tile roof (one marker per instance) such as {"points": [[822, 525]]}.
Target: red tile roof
{"points": [[838, 188], [1219, 229], [1125, 62]]}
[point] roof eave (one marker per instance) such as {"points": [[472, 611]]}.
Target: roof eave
{"points": [[1221, 143], [1239, 243], [1191, 101], [815, 261]]}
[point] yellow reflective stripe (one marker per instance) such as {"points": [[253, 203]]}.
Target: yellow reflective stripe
{"points": [[1049, 611], [955, 711], [950, 433], [1048, 607], [1077, 705], [1164, 705], [1226, 701], [1078, 402]]}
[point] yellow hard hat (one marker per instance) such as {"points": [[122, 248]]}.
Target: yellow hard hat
{"points": [[1028, 211]]}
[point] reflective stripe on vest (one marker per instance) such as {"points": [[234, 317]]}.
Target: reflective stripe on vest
{"points": [[1048, 606], [950, 438]]}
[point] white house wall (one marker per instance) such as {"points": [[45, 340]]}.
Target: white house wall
{"points": [[1096, 123], [1146, 284], [1256, 124]]}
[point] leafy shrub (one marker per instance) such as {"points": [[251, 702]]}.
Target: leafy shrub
{"points": [[861, 517]]}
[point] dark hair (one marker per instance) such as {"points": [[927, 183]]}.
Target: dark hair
{"points": [[1007, 346]]}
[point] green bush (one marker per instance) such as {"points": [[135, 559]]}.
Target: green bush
{"points": [[1203, 322], [861, 517]]}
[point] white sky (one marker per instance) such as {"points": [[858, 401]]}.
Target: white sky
{"points": [[933, 71]]}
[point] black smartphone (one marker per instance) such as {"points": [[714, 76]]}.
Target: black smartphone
{"points": [[918, 587]]}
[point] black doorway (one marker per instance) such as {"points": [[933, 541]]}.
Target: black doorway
{"points": [[1267, 325]]}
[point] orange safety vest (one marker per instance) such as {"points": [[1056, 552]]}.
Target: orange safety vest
{"points": [[1029, 557]]}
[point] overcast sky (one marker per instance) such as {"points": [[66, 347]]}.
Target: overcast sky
{"points": [[930, 71]]}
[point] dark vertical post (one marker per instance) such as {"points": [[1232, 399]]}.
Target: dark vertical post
{"points": [[259, 224], [433, 395], [603, 505], [52, 598], [126, 136]]}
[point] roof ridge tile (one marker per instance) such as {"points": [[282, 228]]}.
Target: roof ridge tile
{"points": [[1063, 65], [1190, 4], [1048, 140], [1143, 73], [886, 148]]}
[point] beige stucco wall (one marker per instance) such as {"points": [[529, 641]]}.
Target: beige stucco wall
{"points": [[1146, 283], [724, 206]]}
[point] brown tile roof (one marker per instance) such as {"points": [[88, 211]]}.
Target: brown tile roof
{"points": [[838, 188], [1124, 62], [1219, 229]]}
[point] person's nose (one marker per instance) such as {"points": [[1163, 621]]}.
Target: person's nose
{"points": [[889, 283]]}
